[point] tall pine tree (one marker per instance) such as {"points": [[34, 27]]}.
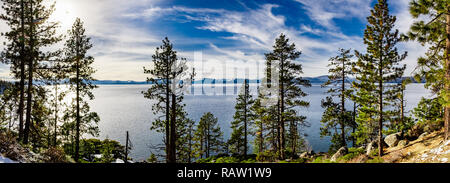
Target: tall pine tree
{"points": [[375, 68], [242, 119], [80, 71], [284, 56], [167, 71], [335, 113]]}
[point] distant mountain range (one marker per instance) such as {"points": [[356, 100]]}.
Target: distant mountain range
{"points": [[314, 80]]}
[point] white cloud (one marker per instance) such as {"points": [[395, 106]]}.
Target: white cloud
{"points": [[122, 48], [323, 12]]}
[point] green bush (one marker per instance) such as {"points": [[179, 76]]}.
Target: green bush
{"points": [[352, 153], [375, 160], [266, 156], [321, 160]]}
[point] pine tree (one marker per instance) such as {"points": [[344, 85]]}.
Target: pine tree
{"points": [[435, 65], [42, 34], [400, 122], [15, 53], [261, 123], [166, 73], [80, 82], [335, 113], [57, 96], [242, 119], [8, 104], [185, 143], [289, 92], [377, 67], [208, 136]]}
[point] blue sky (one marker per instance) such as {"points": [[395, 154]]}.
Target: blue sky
{"points": [[231, 35]]}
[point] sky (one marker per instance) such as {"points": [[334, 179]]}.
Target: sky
{"points": [[221, 38]]}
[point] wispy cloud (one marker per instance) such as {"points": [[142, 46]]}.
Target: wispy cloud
{"points": [[124, 33], [324, 12]]}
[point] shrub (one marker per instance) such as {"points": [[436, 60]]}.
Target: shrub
{"points": [[375, 160], [54, 155], [266, 156], [321, 160], [352, 153]]}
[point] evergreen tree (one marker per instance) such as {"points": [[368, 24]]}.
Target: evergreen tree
{"points": [[400, 122], [242, 120], [375, 68], [30, 31], [41, 34], [166, 73], [261, 123], [284, 56], [208, 136], [435, 65], [79, 73], [335, 113], [185, 143], [428, 111], [8, 104], [15, 53]]}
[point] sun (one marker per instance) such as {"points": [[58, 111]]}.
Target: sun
{"points": [[65, 14]]}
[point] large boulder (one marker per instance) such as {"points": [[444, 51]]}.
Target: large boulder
{"points": [[392, 139], [341, 152]]}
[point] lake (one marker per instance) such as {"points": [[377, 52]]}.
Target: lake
{"points": [[123, 108]]}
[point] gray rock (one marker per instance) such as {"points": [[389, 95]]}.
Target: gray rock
{"points": [[371, 146], [304, 155], [341, 152], [392, 139], [423, 135], [403, 143]]}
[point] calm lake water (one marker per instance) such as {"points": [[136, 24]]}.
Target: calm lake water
{"points": [[123, 108]]}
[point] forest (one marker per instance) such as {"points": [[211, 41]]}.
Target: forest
{"points": [[36, 125]]}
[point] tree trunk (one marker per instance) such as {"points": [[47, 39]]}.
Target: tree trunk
{"points": [[77, 132], [167, 118], [447, 76], [207, 140], [343, 105], [354, 124], [56, 115], [30, 81], [402, 107], [281, 125], [245, 117], [261, 140], [380, 122], [173, 135], [22, 70]]}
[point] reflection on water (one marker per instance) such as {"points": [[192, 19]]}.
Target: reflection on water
{"points": [[123, 108]]}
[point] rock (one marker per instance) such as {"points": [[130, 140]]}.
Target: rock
{"points": [[361, 158], [423, 135], [392, 139], [403, 143], [304, 155], [341, 152], [370, 147]]}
